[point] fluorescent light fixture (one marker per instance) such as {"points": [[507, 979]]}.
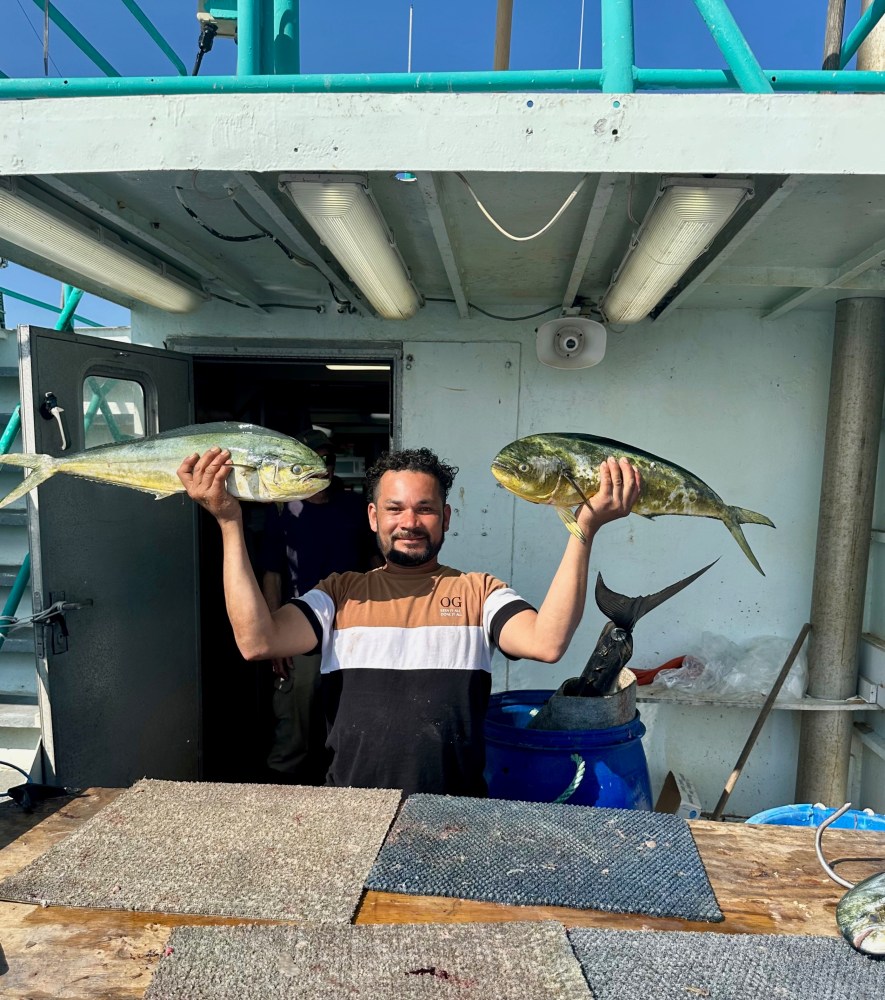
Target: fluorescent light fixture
{"points": [[87, 255], [344, 215], [358, 368], [683, 220]]}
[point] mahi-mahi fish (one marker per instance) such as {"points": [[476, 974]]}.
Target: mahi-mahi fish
{"points": [[562, 469], [267, 466], [860, 913]]}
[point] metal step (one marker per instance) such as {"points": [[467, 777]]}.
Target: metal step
{"points": [[17, 516], [9, 371]]}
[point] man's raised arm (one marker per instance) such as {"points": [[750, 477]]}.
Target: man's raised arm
{"points": [[259, 634], [545, 634]]}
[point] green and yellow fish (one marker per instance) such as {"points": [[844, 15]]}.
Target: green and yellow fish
{"points": [[562, 470], [267, 466]]}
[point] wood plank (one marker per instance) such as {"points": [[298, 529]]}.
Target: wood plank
{"points": [[766, 879]]}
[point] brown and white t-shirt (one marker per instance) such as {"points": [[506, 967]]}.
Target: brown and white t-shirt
{"points": [[406, 674]]}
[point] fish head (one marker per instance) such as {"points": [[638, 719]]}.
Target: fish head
{"points": [[295, 472], [530, 470], [861, 915]]}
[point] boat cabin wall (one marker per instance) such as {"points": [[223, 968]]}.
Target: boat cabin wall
{"points": [[738, 400]]}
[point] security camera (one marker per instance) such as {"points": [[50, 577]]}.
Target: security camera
{"points": [[571, 342]]}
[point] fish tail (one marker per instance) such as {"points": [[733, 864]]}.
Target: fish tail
{"points": [[744, 516], [42, 466], [733, 523]]}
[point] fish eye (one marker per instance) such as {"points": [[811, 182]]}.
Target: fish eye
{"points": [[297, 470], [523, 466]]}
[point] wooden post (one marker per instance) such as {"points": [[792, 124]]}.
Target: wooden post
{"points": [[833, 33], [502, 34]]}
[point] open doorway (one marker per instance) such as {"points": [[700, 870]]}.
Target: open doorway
{"points": [[351, 400]]}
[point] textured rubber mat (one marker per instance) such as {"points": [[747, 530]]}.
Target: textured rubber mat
{"points": [[259, 851], [619, 860], [519, 961], [661, 965]]}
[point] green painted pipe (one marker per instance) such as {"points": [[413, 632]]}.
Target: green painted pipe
{"points": [[45, 305], [11, 430], [155, 35], [66, 316], [391, 83], [82, 43], [15, 594], [618, 49], [503, 81], [858, 35], [250, 24], [281, 49], [24, 572], [733, 46]]}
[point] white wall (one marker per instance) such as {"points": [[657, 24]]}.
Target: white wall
{"points": [[739, 401]]}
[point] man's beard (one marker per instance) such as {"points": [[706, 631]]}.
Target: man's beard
{"points": [[413, 558]]}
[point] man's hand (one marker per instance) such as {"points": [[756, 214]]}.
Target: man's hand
{"points": [[619, 485], [204, 476]]}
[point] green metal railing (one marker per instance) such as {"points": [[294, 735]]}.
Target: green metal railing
{"points": [[267, 62], [70, 297]]}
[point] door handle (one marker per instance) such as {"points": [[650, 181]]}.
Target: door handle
{"points": [[49, 410]]}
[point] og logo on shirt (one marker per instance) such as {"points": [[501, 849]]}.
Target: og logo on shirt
{"points": [[450, 607]]}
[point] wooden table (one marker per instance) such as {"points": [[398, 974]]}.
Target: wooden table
{"points": [[767, 880]]}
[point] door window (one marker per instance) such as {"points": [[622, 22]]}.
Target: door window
{"points": [[113, 410]]}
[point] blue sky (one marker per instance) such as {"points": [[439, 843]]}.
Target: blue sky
{"points": [[339, 36]]}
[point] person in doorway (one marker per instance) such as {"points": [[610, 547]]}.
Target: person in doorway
{"points": [[406, 648], [304, 542]]}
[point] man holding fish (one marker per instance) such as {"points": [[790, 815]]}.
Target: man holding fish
{"points": [[406, 648]]}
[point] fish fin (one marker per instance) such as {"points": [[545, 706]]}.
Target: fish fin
{"points": [[625, 612], [737, 517], [743, 516], [162, 494], [648, 517], [43, 467], [570, 521]]}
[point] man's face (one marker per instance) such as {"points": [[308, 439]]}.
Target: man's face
{"points": [[409, 517]]}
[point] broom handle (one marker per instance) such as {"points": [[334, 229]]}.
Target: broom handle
{"points": [[760, 722]]}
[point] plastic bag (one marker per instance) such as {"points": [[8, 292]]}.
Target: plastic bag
{"points": [[737, 670]]}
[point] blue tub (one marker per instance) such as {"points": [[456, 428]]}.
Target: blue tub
{"points": [[588, 767], [806, 814]]}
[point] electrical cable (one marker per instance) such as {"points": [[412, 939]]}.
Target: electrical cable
{"points": [[507, 319], [510, 236], [269, 305], [630, 199], [260, 235], [15, 767], [208, 31]]}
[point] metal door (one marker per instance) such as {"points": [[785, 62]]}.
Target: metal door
{"points": [[119, 678]]}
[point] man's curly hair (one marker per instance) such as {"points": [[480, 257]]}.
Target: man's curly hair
{"points": [[410, 460]]}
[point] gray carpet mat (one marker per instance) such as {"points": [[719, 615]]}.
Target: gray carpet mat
{"points": [[618, 860], [661, 965], [255, 851], [518, 961]]}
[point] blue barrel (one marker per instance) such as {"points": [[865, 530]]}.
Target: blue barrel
{"points": [[585, 767], [805, 814]]}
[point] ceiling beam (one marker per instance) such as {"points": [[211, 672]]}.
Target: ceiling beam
{"points": [[601, 198], [96, 200], [797, 277], [287, 231], [872, 256], [735, 233], [434, 204]]}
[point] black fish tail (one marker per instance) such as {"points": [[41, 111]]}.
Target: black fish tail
{"points": [[625, 611]]}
